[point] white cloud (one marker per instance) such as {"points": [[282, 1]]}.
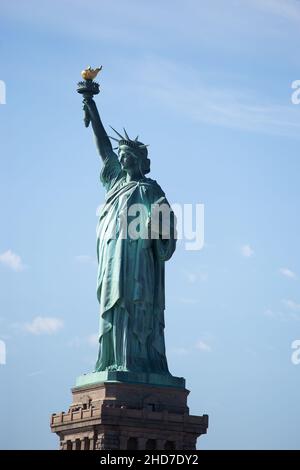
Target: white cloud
{"points": [[12, 261], [269, 313], [202, 100], [75, 342], [291, 305], [144, 23], [33, 374], [284, 316], [193, 277], [275, 314], [180, 351], [288, 9], [295, 316], [247, 251], [44, 325], [85, 259], [93, 340], [90, 340], [288, 273], [203, 346]]}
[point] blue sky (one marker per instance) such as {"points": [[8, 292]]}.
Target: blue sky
{"points": [[208, 86]]}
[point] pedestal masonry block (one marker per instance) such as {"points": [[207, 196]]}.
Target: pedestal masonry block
{"points": [[110, 411]]}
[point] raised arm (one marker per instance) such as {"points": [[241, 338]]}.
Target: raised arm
{"points": [[102, 141]]}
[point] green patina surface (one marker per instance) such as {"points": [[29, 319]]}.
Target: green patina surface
{"points": [[131, 276], [129, 377]]}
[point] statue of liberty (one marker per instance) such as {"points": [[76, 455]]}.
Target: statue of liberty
{"points": [[130, 279]]}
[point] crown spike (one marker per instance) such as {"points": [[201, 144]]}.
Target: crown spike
{"points": [[137, 138], [143, 146], [126, 135], [117, 133], [117, 140]]}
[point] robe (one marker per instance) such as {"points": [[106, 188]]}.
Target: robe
{"points": [[130, 280]]}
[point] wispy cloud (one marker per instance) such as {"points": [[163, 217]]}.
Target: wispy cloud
{"points": [[85, 259], [192, 277], [91, 340], [288, 9], [143, 23], [269, 313], [203, 346], [203, 101], [247, 251], [288, 273], [210, 101], [291, 305], [33, 374], [44, 325], [12, 261], [180, 351], [282, 316]]}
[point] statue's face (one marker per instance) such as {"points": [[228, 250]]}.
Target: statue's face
{"points": [[127, 159]]}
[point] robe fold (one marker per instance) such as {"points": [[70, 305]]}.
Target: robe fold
{"points": [[130, 281]]}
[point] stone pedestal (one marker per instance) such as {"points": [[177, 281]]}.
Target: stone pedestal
{"points": [[116, 415]]}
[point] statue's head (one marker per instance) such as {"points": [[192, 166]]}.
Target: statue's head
{"points": [[133, 154]]}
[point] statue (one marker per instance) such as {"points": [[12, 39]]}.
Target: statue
{"points": [[130, 280]]}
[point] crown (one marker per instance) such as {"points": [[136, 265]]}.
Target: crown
{"points": [[134, 144]]}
